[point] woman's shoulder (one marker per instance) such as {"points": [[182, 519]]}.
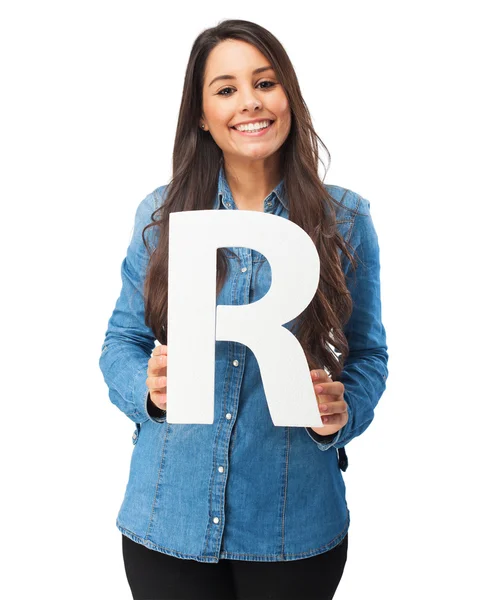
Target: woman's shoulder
{"points": [[348, 203], [158, 196], [354, 218], [144, 213], [148, 205]]}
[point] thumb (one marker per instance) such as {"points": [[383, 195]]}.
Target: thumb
{"points": [[318, 375]]}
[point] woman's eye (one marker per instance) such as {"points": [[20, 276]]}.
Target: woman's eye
{"points": [[220, 93], [272, 84], [269, 86]]}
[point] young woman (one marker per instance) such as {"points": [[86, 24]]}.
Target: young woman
{"points": [[242, 508]]}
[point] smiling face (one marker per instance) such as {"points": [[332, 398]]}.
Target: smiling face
{"points": [[243, 96]]}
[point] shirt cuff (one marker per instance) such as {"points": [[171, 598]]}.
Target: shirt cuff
{"points": [[155, 413], [324, 442]]}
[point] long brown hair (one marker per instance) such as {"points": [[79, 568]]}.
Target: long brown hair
{"points": [[196, 164]]}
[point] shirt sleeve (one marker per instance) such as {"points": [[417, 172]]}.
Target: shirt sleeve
{"points": [[365, 370], [128, 342]]}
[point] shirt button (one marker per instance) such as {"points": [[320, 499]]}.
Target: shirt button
{"points": [[221, 469], [228, 416], [228, 204], [235, 363], [244, 269], [216, 520]]}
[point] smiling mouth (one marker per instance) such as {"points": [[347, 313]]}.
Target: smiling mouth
{"points": [[255, 131]]}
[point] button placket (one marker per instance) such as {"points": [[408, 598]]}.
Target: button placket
{"points": [[239, 295]]}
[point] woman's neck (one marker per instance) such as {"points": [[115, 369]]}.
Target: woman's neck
{"points": [[250, 183]]}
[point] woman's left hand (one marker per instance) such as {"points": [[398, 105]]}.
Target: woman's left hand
{"points": [[332, 405]]}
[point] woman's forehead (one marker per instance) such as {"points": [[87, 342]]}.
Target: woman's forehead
{"points": [[235, 58]]}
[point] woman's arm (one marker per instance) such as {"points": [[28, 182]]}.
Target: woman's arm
{"points": [[128, 341], [365, 370]]}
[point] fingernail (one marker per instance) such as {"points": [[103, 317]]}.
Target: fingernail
{"points": [[325, 419], [318, 389]]}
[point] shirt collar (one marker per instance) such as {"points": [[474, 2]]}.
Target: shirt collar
{"points": [[224, 193]]}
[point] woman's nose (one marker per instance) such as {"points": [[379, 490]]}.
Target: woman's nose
{"points": [[250, 100]]}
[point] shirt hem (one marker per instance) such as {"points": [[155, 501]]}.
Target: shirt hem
{"points": [[224, 554]]}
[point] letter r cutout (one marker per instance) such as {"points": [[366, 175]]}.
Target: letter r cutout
{"points": [[195, 322]]}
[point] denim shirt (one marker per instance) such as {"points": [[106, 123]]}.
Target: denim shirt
{"points": [[241, 488]]}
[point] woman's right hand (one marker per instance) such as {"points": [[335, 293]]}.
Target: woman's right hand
{"points": [[156, 381]]}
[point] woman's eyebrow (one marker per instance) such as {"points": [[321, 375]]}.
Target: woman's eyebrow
{"points": [[255, 72]]}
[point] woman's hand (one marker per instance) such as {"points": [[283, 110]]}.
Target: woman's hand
{"points": [[156, 381], [332, 405]]}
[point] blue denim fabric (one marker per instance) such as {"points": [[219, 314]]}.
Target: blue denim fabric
{"points": [[241, 488]]}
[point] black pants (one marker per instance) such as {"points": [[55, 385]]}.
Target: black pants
{"points": [[153, 575]]}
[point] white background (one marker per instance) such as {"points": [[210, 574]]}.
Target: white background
{"points": [[89, 105]]}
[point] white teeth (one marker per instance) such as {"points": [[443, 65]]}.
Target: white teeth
{"points": [[253, 126]]}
